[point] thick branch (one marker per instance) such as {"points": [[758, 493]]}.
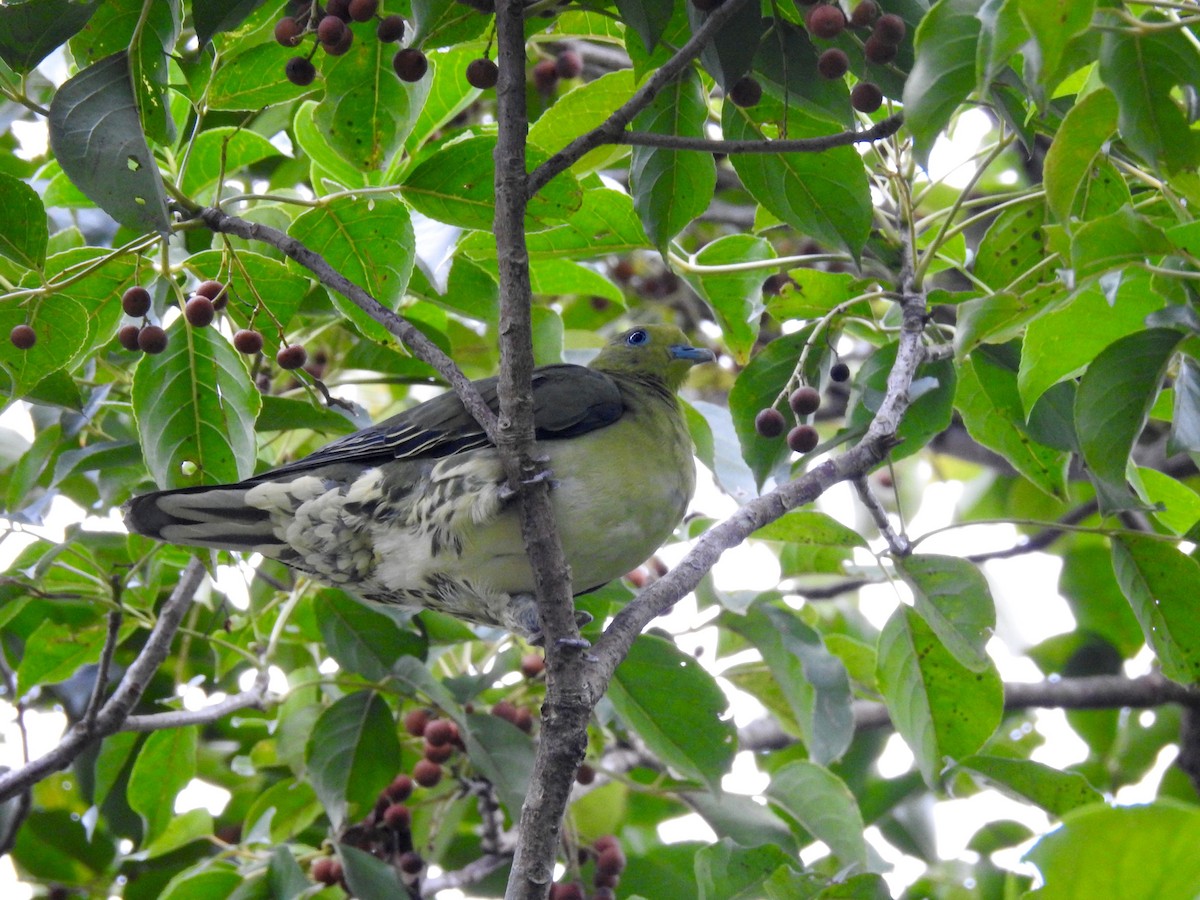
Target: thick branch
{"points": [[883, 129], [114, 713], [254, 698], [610, 131]]}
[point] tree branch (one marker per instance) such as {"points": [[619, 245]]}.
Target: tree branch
{"points": [[254, 698], [882, 129], [114, 712]]}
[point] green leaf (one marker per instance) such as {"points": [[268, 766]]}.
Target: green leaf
{"points": [[369, 240], [457, 186], [671, 187], [735, 295], [810, 293], [728, 55], [1177, 505], [503, 753], [1023, 779], [286, 414], [953, 598], [943, 73], [807, 527], [216, 883], [1052, 24], [222, 151], [685, 726], [213, 16], [164, 765], [1090, 588], [56, 650], [726, 871], [181, 830], [1061, 343], [352, 755], [740, 818], [153, 35], [648, 18], [824, 195], [1144, 68], [990, 405], [195, 403], [30, 31], [23, 230], [254, 79], [938, 706], [1185, 423], [821, 802], [281, 812], [97, 138], [61, 325], [361, 639], [577, 112], [1114, 241], [367, 877], [286, 877], [1111, 406], [1013, 246], [1149, 851], [1160, 583], [53, 846], [812, 679], [786, 65], [1081, 137]]}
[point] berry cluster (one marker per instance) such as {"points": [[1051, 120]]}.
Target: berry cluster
{"points": [[335, 36], [803, 401], [610, 863], [547, 72]]}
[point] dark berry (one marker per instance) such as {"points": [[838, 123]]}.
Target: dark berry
{"points": [[400, 789], [300, 71], [769, 423], [288, 32], [864, 14], [415, 722], [706, 5], [585, 774], [545, 75], [214, 291], [826, 22], [532, 665], [427, 773], [746, 92], [524, 719], [774, 284], [128, 337], [322, 871], [569, 64], [611, 860], [342, 46], [866, 97], [397, 816], [839, 372], [566, 891], [339, 8], [363, 10], [604, 881], [623, 269], [410, 64], [803, 438], [805, 401], [482, 73], [199, 311], [506, 710], [604, 842], [879, 52], [136, 302], [890, 29], [23, 337], [248, 341], [330, 30], [391, 29], [152, 339], [439, 732], [437, 754], [410, 862], [833, 63], [293, 356]]}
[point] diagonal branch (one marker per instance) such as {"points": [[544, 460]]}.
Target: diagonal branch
{"points": [[883, 129]]}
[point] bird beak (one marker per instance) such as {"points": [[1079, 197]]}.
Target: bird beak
{"points": [[695, 354]]}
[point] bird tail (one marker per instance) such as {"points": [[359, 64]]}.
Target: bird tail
{"points": [[204, 516]]}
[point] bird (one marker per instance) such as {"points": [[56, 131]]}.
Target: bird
{"points": [[416, 511]]}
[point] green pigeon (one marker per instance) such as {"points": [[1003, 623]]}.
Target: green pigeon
{"points": [[416, 510]]}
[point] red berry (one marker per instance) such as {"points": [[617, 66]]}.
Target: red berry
{"points": [[506, 710], [805, 401], [152, 339], [866, 97], [864, 14], [415, 722], [397, 816], [585, 774], [410, 64], [339, 8], [839, 372], [603, 842], [890, 29], [566, 891], [439, 732], [300, 71], [439, 753], [878, 52], [128, 337], [214, 291], [569, 64], [746, 92], [410, 862], [611, 860], [524, 719], [293, 356], [199, 311], [833, 63], [321, 871], [363, 10], [826, 22], [248, 341], [545, 75], [136, 302], [604, 881], [426, 773], [803, 438], [482, 73], [769, 423], [330, 30], [288, 33], [400, 789], [342, 45], [391, 29], [532, 665], [23, 337]]}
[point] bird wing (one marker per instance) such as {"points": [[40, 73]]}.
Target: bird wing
{"points": [[568, 401]]}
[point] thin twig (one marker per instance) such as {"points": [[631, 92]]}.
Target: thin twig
{"points": [[255, 698], [897, 543], [885, 128], [115, 618]]}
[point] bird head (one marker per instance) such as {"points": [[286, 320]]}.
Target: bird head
{"points": [[661, 352]]}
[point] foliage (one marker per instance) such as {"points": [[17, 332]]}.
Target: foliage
{"points": [[1054, 295]]}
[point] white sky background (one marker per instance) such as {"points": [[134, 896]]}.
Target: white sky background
{"points": [[1029, 611]]}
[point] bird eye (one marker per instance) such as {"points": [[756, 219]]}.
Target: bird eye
{"points": [[636, 338]]}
